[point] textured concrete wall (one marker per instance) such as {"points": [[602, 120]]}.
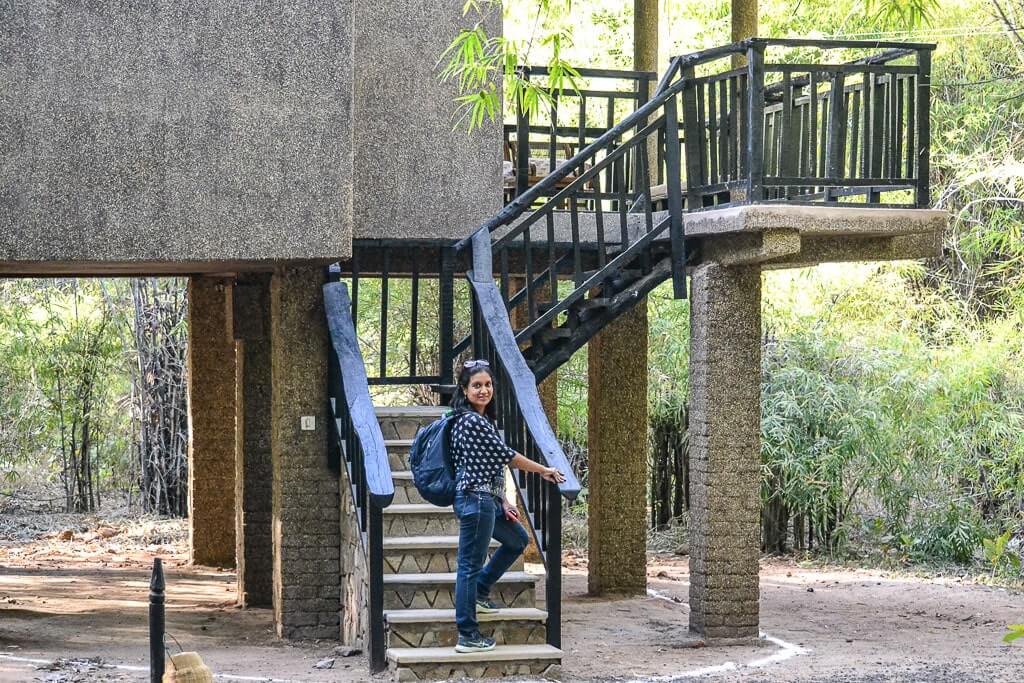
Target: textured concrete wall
{"points": [[617, 447], [211, 445], [415, 176], [725, 450], [306, 534], [253, 471], [175, 130]]}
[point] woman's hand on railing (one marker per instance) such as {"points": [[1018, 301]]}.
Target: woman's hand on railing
{"points": [[553, 475], [521, 462]]}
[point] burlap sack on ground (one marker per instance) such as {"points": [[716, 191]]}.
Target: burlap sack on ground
{"points": [[187, 667]]}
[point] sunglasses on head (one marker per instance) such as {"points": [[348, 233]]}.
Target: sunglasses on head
{"points": [[469, 364]]}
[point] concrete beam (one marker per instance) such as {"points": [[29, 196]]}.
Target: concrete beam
{"points": [[834, 219]]}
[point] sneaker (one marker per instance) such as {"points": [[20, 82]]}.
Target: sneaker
{"points": [[484, 606], [477, 643]]}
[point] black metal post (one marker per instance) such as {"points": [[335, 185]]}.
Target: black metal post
{"points": [[553, 558], [523, 143], [755, 121], [924, 86], [446, 315], [673, 167], [157, 623], [375, 538]]}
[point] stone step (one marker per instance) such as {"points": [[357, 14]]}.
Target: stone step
{"points": [[419, 519], [425, 554], [405, 489], [444, 663], [398, 453], [402, 423], [436, 591], [436, 627]]}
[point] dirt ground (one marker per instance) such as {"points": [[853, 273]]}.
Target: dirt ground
{"points": [[74, 609]]}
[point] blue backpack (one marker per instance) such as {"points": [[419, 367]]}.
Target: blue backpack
{"points": [[430, 460]]}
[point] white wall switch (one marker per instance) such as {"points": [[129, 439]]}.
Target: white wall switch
{"points": [[308, 423]]}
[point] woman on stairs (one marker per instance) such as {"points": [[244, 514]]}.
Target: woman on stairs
{"points": [[480, 456]]}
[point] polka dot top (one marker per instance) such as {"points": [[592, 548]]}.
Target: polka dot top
{"points": [[479, 454]]}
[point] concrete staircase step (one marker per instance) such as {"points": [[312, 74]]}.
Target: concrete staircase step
{"points": [[423, 412], [437, 663], [401, 423], [405, 488], [419, 519], [447, 616], [398, 451], [426, 554], [436, 627], [425, 543], [437, 590]]}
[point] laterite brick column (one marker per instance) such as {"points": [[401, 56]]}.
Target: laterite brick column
{"points": [[725, 451], [253, 471], [617, 446], [306, 534], [211, 445]]}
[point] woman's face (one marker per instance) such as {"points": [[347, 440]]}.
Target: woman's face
{"points": [[480, 390]]}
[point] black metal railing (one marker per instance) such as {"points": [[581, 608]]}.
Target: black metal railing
{"points": [[407, 306], [521, 417], [582, 231], [359, 452], [538, 142], [795, 130]]}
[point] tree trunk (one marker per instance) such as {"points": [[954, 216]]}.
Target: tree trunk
{"points": [[744, 25]]}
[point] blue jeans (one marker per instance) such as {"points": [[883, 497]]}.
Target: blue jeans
{"points": [[481, 518]]}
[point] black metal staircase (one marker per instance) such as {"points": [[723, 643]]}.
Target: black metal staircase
{"points": [[574, 250]]}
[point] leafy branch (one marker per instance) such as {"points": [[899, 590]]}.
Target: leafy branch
{"points": [[477, 63]]}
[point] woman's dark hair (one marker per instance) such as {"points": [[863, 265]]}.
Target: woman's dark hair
{"points": [[460, 402]]}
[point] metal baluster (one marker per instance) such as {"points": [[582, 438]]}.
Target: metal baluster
{"points": [[384, 315], [924, 84], [414, 317]]}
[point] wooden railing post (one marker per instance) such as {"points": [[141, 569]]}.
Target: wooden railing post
{"points": [[673, 164], [924, 88], [755, 122], [522, 142], [693, 140], [446, 314]]}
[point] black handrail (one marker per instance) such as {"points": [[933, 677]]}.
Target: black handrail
{"points": [[360, 445]]}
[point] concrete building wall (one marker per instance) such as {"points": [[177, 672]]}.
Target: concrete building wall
{"points": [[416, 177], [174, 131]]}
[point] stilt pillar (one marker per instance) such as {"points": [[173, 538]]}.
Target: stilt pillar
{"points": [[306, 534], [725, 451], [617, 447], [211, 446], [253, 471]]}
